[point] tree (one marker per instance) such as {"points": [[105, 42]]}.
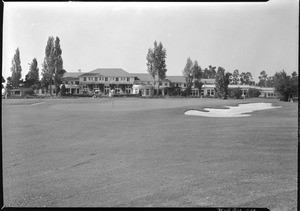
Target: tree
{"points": [[48, 65], [246, 78], [270, 81], [63, 90], [3, 81], [285, 85], [235, 77], [253, 93], [222, 82], [150, 63], [235, 93], [197, 74], [32, 77], [58, 65], [209, 72], [156, 62], [188, 74], [16, 69], [263, 79], [53, 64], [294, 81], [9, 85]]}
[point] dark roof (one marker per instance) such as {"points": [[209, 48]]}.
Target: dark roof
{"points": [[72, 74], [176, 79], [111, 72], [142, 76]]}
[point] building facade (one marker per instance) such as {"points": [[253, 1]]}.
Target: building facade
{"points": [[102, 80]]}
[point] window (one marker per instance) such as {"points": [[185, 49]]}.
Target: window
{"points": [[106, 79], [184, 85], [208, 92], [17, 92], [128, 79], [212, 92], [166, 84], [96, 79], [117, 79], [106, 89], [147, 92], [118, 90], [84, 78], [89, 78], [127, 89], [77, 82], [77, 91]]}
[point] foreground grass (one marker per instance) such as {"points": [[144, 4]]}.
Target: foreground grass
{"points": [[146, 152]]}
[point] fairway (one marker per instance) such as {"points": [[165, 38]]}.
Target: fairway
{"points": [[145, 152]]}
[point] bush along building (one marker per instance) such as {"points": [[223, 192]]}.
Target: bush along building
{"points": [[102, 80]]}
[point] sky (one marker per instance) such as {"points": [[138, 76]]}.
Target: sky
{"points": [[250, 37]]}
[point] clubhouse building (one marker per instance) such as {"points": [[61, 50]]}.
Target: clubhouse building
{"points": [[102, 80]]}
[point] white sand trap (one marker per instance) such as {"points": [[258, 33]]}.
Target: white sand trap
{"points": [[232, 111]]}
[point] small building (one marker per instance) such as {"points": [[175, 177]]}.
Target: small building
{"points": [[145, 90], [268, 92], [71, 82]]}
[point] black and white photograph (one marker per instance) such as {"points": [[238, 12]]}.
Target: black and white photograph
{"points": [[150, 104]]}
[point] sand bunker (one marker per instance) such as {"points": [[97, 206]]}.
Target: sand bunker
{"points": [[232, 111]]}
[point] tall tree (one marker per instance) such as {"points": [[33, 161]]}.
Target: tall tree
{"points": [[188, 74], [263, 79], [53, 64], [150, 64], [48, 65], [222, 82], [32, 77], [156, 62], [58, 65], [197, 74], [16, 69]]}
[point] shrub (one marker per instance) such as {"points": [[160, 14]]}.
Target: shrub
{"points": [[253, 93], [235, 93], [63, 90]]}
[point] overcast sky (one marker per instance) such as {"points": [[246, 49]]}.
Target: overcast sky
{"points": [[250, 37]]}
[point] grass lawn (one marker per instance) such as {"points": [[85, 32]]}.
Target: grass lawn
{"points": [[146, 152]]}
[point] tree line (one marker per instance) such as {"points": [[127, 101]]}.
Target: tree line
{"points": [[52, 70]]}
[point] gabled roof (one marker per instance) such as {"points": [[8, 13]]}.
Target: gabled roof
{"points": [[72, 74], [111, 72], [142, 76]]}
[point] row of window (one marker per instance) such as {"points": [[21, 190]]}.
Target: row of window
{"points": [[179, 85], [105, 79]]}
